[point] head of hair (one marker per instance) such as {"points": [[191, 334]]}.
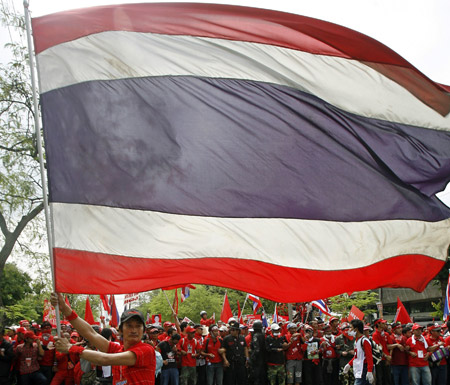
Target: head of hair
{"points": [[175, 336], [107, 333], [358, 325]]}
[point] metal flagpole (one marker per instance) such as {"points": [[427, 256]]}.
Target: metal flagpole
{"points": [[37, 126], [242, 310]]}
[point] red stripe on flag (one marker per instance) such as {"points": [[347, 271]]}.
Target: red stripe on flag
{"points": [[141, 274]]}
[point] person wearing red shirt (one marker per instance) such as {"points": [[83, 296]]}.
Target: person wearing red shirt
{"points": [[294, 355], [417, 348], [133, 363], [204, 320], [399, 362], [165, 336], [27, 355], [201, 362], [188, 348], [47, 342], [330, 360], [210, 350], [65, 364], [438, 369], [362, 361], [380, 337]]}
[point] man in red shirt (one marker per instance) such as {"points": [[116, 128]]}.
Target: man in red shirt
{"points": [[204, 320], [438, 369], [417, 348], [47, 343], [380, 337], [210, 350], [294, 355], [399, 362], [133, 363], [188, 348], [27, 355]]}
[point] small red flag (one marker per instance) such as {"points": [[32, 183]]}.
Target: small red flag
{"points": [[355, 313], [239, 312], [401, 315], [175, 302], [88, 316], [226, 310], [104, 299], [114, 313]]}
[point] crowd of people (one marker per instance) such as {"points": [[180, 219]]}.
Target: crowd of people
{"points": [[209, 353]]}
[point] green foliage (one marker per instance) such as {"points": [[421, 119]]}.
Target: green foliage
{"points": [[15, 285], [439, 310], [363, 300]]}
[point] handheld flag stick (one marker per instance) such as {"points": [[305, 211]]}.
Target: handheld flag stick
{"points": [[242, 310], [37, 126], [167, 298]]}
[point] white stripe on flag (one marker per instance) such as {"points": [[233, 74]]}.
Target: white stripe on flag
{"points": [[347, 84], [286, 242]]}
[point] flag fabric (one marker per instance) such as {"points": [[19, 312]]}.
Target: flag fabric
{"points": [[175, 302], [49, 313], [185, 293], [355, 313], [402, 315], [322, 306], [226, 313], [447, 300], [239, 311], [206, 135], [88, 316], [105, 302], [256, 302], [264, 320], [275, 315], [114, 322]]}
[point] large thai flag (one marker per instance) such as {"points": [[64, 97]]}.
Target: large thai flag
{"points": [[239, 147]]}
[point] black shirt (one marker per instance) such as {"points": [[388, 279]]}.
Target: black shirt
{"points": [[235, 349], [167, 354]]}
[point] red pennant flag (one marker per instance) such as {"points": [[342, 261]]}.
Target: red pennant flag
{"points": [[175, 302], [104, 299], [226, 310], [401, 315], [88, 316], [114, 313], [239, 312], [355, 313]]}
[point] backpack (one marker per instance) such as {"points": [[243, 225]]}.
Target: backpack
{"points": [[377, 352]]}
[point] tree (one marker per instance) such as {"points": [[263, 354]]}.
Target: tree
{"points": [[363, 300], [20, 187]]}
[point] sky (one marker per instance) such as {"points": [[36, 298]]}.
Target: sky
{"points": [[418, 30]]}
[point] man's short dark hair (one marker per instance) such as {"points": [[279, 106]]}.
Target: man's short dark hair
{"points": [[358, 325], [176, 336]]}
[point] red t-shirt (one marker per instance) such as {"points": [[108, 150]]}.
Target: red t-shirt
{"points": [[49, 354], [191, 347], [398, 357], [431, 342], [328, 348], [294, 351], [207, 322], [209, 346], [142, 372], [381, 338], [419, 349]]}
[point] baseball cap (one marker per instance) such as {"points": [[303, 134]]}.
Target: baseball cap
{"points": [[189, 329], [130, 313], [417, 326], [29, 334]]}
